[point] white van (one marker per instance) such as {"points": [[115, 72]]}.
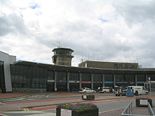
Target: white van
{"points": [[139, 90]]}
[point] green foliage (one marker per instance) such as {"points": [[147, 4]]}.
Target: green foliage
{"points": [[78, 106]]}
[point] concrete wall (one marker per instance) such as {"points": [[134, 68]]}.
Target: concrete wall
{"points": [[8, 59]]}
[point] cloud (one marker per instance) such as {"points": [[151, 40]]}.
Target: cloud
{"points": [[4, 1], [11, 24], [95, 30], [88, 40], [34, 5], [140, 13]]}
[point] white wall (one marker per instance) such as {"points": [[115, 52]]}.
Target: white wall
{"points": [[8, 59]]}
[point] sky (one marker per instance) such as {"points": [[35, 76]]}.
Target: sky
{"points": [[100, 30]]}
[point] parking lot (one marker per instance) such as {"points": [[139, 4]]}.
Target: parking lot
{"points": [[13, 104]]}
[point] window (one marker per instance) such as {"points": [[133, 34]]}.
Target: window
{"points": [[86, 77]]}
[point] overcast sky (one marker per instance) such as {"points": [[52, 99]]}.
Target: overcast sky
{"points": [[105, 30]]}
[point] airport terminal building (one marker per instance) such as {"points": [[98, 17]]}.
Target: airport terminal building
{"points": [[61, 76]]}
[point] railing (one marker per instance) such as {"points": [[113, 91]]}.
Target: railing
{"points": [[150, 110], [128, 111]]}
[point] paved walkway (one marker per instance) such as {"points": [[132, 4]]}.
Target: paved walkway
{"points": [[29, 113], [112, 113], [44, 103], [49, 101], [11, 95], [38, 104], [141, 110]]}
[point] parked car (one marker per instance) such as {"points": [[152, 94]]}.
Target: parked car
{"points": [[87, 90], [118, 91], [105, 90]]}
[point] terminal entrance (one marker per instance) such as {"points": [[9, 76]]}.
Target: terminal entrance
{"points": [[61, 86], [96, 85], [74, 86], [2, 79], [50, 86], [88, 85]]}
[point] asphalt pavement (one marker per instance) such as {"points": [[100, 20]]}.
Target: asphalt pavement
{"points": [[44, 104]]}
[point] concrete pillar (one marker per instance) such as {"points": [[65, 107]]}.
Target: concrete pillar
{"points": [[136, 80], [80, 83], [92, 81], [146, 77], [114, 81], [68, 74], [55, 81], [103, 82], [6, 60]]}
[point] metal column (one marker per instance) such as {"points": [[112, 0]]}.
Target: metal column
{"points": [[80, 76], [55, 81], [136, 79], [92, 81], [103, 84], [68, 74], [114, 81]]}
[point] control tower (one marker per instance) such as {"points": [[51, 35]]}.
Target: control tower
{"points": [[62, 56]]}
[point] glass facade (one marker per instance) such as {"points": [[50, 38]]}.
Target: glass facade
{"points": [[74, 81], [61, 77], [97, 81], [120, 80], [130, 79], [61, 81], [97, 78], [141, 78], [152, 77], [109, 80], [74, 86], [2, 79], [86, 80], [29, 77], [86, 77], [74, 76], [50, 78], [125, 79]]}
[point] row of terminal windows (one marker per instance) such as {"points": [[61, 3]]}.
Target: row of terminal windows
{"points": [[36, 77]]}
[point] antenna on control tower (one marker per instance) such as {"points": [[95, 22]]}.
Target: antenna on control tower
{"points": [[59, 44]]}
